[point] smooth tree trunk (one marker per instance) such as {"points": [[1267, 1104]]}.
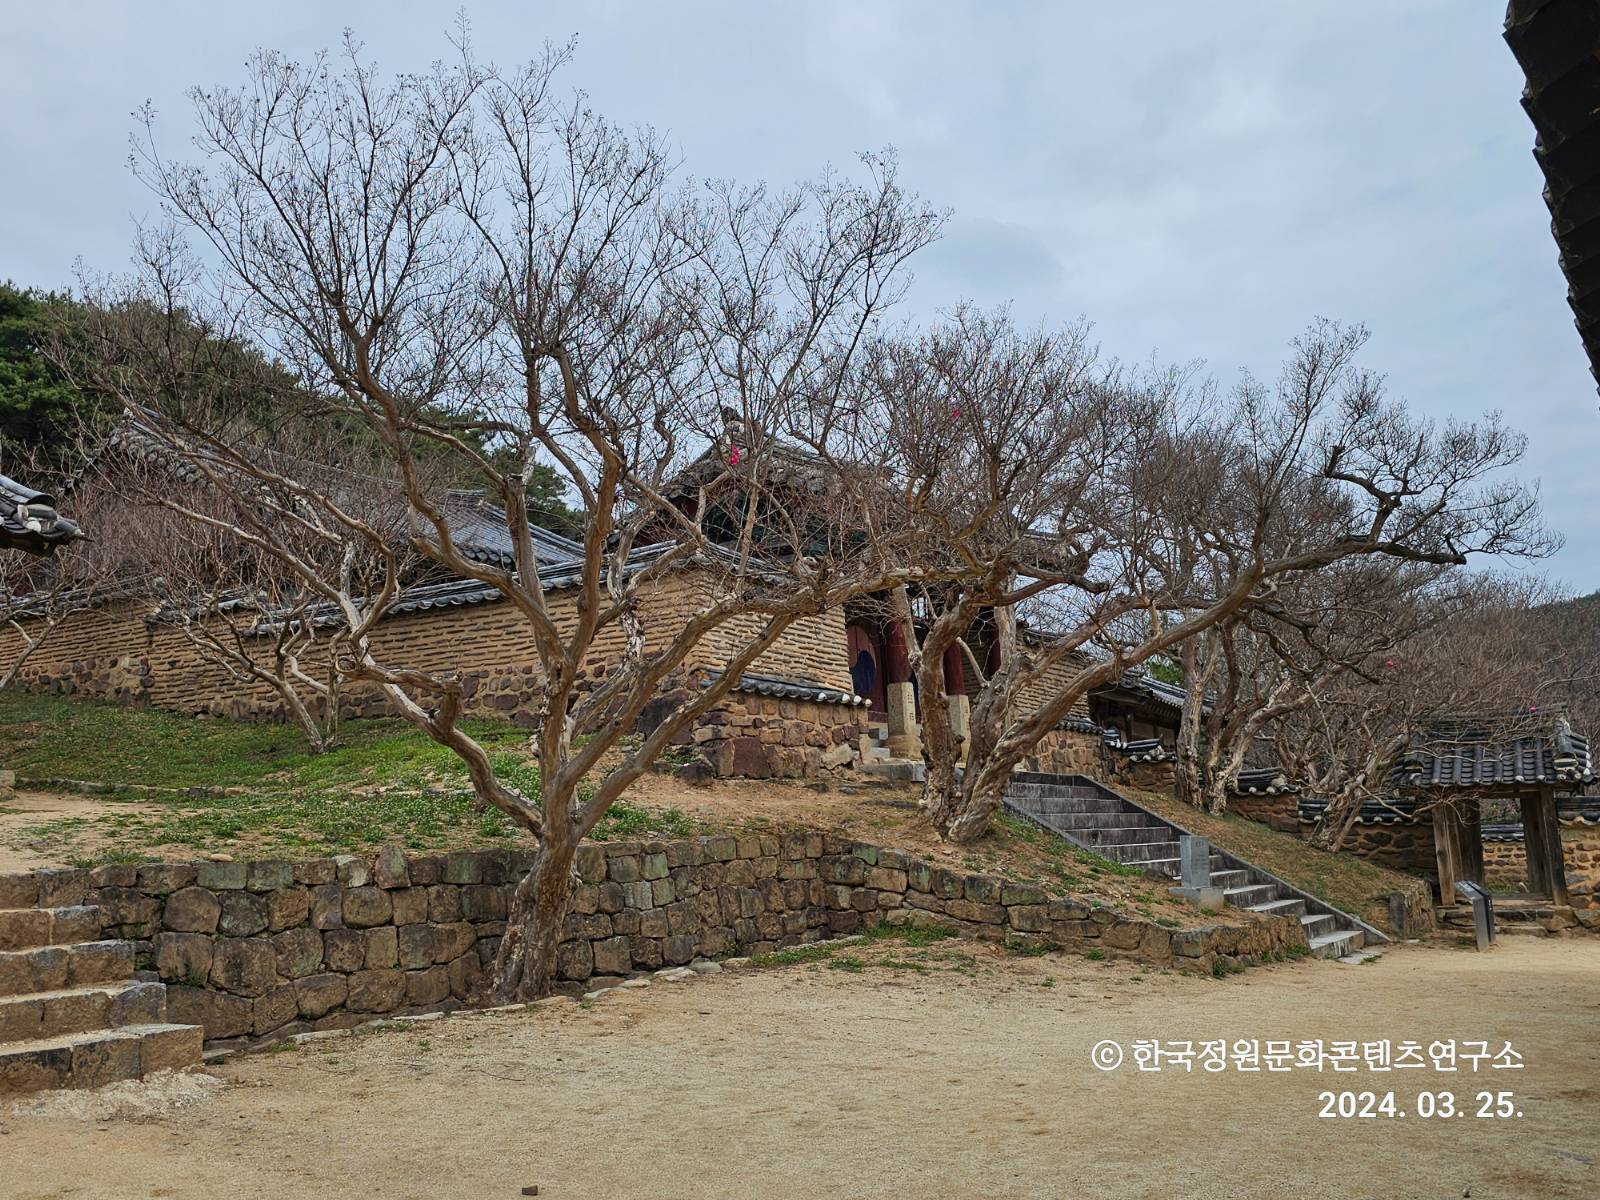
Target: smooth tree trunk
{"points": [[525, 964], [1334, 825]]}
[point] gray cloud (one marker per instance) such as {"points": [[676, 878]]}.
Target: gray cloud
{"points": [[1196, 179]]}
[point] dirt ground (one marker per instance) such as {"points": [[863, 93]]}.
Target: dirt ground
{"points": [[810, 1081], [26, 810]]}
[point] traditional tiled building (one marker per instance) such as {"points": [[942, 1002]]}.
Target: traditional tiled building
{"points": [[834, 688]]}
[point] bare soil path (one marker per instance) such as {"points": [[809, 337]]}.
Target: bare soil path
{"points": [[24, 848], [807, 1081]]}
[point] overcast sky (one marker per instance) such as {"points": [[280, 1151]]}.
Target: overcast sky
{"points": [[1199, 180]]}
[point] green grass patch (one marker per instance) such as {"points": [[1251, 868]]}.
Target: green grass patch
{"points": [[792, 956], [1029, 947], [257, 789], [846, 962], [926, 936], [1095, 954]]}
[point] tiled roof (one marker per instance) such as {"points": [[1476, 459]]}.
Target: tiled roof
{"points": [[1075, 723], [1557, 44], [1150, 750], [480, 529], [1402, 810], [1143, 686], [29, 520], [1561, 757], [791, 687], [1264, 781]]}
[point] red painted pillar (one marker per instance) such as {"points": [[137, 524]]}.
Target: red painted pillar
{"points": [[955, 682], [900, 695], [898, 667]]}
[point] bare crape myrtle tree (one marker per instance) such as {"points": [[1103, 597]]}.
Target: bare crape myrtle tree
{"points": [[1168, 510], [469, 263], [1263, 663], [243, 611], [1464, 659]]}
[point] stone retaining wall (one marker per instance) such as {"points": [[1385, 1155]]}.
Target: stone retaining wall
{"points": [[1076, 752], [765, 737], [258, 950]]}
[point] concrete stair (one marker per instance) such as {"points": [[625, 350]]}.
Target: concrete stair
{"points": [[1092, 816], [72, 1012]]}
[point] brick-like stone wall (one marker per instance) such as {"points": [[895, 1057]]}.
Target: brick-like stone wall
{"points": [[263, 949], [1277, 812], [1076, 752], [113, 653], [1505, 864], [766, 737]]}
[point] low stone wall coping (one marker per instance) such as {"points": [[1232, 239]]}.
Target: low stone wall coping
{"points": [[267, 948]]}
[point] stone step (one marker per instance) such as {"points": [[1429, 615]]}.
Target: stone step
{"points": [[1358, 957], [1127, 835], [1059, 791], [1171, 866], [1139, 853], [52, 968], [900, 770], [1105, 820], [1519, 928], [1281, 908], [65, 1011], [1317, 924], [1338, 943], [1229, 879], [25, 928], [1251, 894], [95, 1057], [1053, 811]]}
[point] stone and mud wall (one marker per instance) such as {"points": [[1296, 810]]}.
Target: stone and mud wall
{"points": [[113, 653], [1407, 845], [264, 949], [1077, 752]]}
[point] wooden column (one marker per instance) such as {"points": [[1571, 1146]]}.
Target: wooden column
{"points": [[1533, 843], [1469, 829], [1446, 851], [900, 694], [1541, 841]]}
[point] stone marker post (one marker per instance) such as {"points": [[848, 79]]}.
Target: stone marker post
{"points": [[1194, 872]]}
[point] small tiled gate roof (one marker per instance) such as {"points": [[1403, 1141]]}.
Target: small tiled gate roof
{"points": [[1558, 758], [29, 520]]}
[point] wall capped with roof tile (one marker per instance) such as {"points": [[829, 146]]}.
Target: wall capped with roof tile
{"points": [[111, 653]]}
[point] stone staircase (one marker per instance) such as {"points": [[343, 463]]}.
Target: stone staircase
{"points": [[876, 760], [1092, 816], [72, 1012]]}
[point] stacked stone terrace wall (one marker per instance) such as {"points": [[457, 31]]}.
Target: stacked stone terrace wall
{"points": [[259, 950], [1276, 812]]}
